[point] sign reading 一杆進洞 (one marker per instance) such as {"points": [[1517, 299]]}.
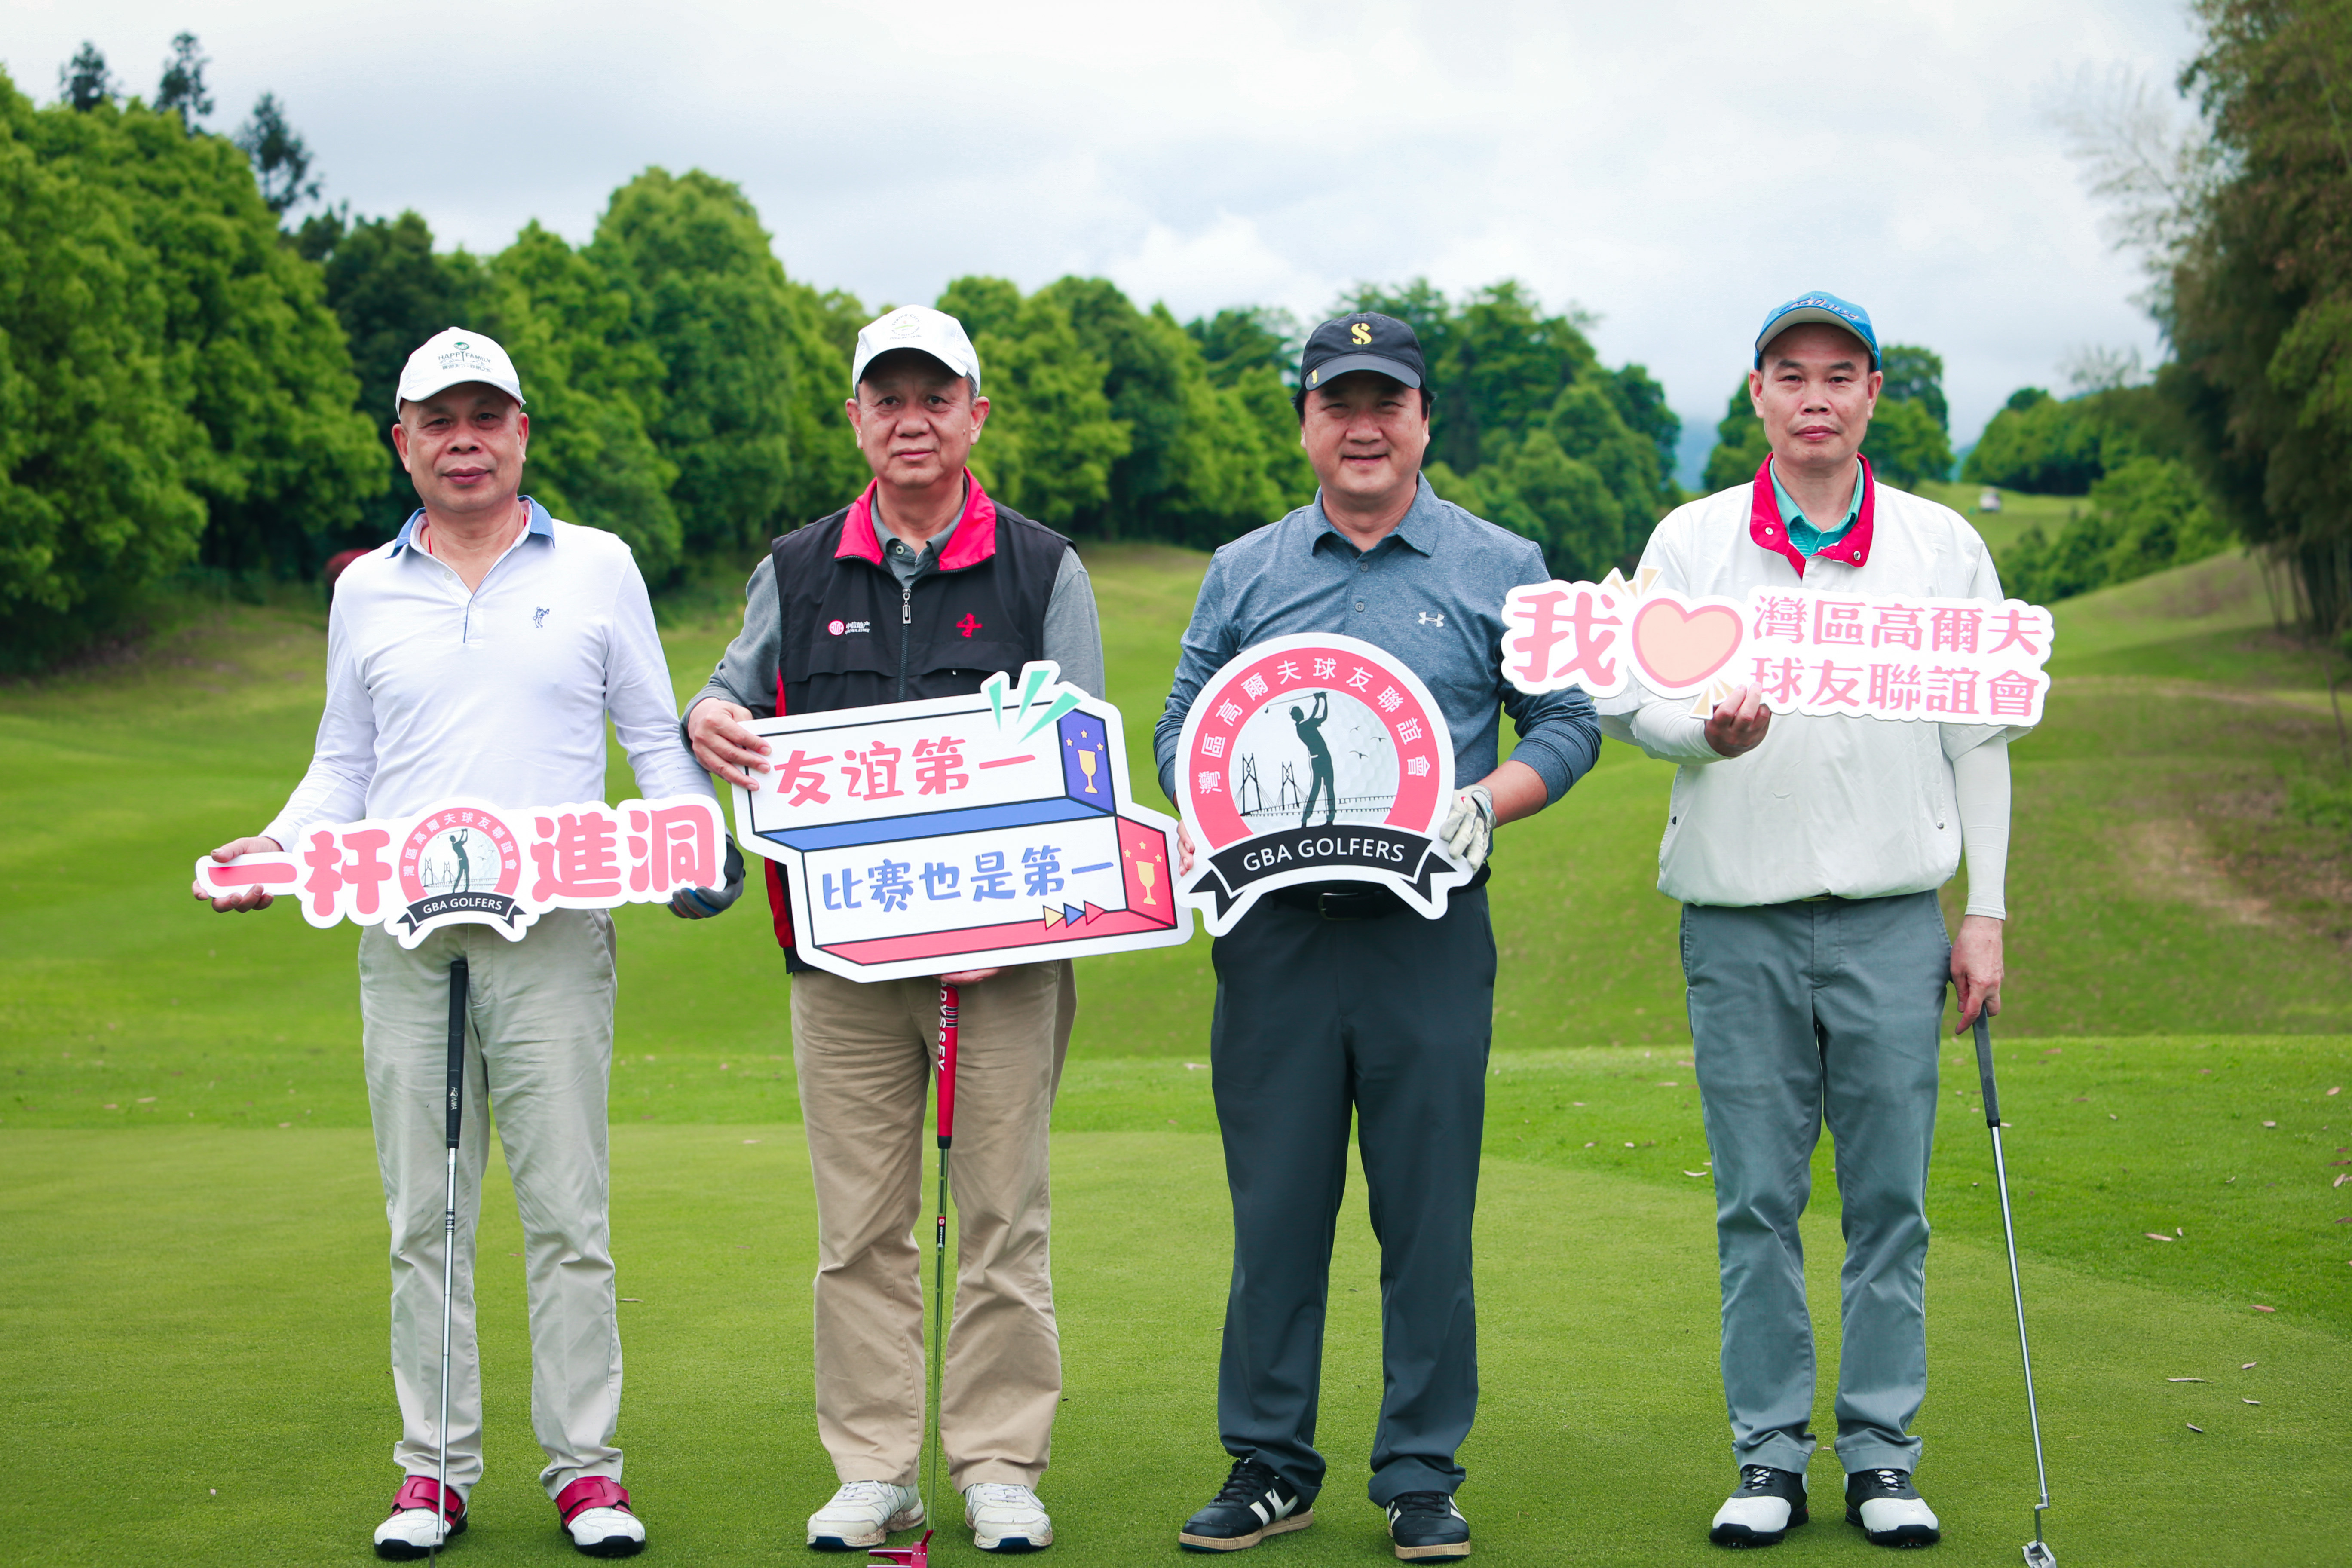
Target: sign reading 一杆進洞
{"points": [[1877, 655], [1315, 759], [465, 863], [916, 838]]}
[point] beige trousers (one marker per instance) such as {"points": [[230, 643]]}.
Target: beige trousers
{"points": [[863, 1052], [540, 1054]]}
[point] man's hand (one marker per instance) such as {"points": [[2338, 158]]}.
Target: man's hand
{"points": [[970, 976], [1183, 851], [701, 903], [248, 899], [1976, 968], [722, 745], [1469, 828], [1738, 724]]}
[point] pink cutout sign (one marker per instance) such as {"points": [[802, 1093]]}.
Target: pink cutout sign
{"points": [[1875, 656], [464, 863]]}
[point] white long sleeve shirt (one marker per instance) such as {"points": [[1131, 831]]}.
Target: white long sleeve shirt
{"points": [[1859, 808], [499, 694]]}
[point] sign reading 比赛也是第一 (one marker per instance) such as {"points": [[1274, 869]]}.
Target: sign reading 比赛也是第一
{"points": [[916, 838], [1315, 759], [465, 863], [1873, 655]]}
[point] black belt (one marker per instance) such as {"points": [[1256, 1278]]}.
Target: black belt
{"points": [[1358, 900]]}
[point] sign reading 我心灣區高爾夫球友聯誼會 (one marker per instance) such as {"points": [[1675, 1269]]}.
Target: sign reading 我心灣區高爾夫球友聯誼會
{"points": [[917, 838], [467, 863], [1315, 759], [1873, 655]]}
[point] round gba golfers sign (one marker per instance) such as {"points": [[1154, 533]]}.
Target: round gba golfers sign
{"points": [[1315, 759]]}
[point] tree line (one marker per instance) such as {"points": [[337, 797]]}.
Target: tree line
{"points": [[196, 383]]}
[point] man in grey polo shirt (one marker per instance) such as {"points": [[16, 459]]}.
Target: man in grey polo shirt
{"points": [[1807, 852], [1337, 1000], [479, 655]]}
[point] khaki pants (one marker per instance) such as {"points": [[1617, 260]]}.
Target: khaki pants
{"points": [[863, 1052], [540, 1054]]}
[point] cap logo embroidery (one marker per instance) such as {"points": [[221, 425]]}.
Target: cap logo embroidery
{"points": [[1313, 376], [1360, 333], [905, 326]]}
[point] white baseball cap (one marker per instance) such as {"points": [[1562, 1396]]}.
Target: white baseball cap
{"points": [[452, 356], [935, 332]]}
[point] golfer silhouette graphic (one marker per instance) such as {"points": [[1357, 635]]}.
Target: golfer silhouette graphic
{"points": [[464, 881], [1318, 757]]}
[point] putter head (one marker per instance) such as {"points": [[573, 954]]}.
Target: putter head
{"points": [[2037, 1555], [918, 1555]]}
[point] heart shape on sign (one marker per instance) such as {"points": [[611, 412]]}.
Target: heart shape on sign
{"points": [[1679, 649]]}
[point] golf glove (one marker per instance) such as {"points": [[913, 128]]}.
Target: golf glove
{"points": [[701, 903], [1469, 828]]}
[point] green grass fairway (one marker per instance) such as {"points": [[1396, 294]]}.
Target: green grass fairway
{"points": [[191, 1230]]}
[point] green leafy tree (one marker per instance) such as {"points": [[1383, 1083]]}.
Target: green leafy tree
{"points": [[2042, 446], [281, 159], [1051, 439], [2146, 514], [714, 303], [827, 468], [1235, 342], [181, 90], [84, 82], [1904, 445], [1740, 445], [1640, 403], [1914, 375]]}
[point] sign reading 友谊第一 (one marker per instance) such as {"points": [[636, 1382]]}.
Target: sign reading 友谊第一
{"points": [[1876, 656], [465, 863], [1315, 759], [916, 838]]}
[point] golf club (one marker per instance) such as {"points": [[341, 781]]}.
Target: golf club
{"points": [[919, 1554], [2037, 1552], [455, 1119]]}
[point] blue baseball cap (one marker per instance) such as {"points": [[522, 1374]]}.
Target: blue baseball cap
{"points": [[1827, 308]]}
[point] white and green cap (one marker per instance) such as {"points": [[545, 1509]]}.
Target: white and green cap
{"points": [[918, 327], [450, 357]]}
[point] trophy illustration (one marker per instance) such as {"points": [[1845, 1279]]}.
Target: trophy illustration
{"points": [[1147, 872], [1087, 761]]}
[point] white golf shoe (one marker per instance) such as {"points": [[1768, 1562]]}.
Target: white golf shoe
{"points": [[595, 1513], [415, 1526], [1761, 1511], [1890, 1510], [1006, 1518], [862, 1514]]}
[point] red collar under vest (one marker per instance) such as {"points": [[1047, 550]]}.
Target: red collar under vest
{"points": [[972, 541], [1765, 527]]}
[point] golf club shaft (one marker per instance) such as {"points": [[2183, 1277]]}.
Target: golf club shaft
{"points": [[949, 999], [454, 1122], [2009, 1235]]}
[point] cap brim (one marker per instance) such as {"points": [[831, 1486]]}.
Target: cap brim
{"points": [[1806, 316], [1395, 369], [857, 370], [406, 393]]}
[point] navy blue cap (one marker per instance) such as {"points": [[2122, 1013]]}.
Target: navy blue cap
{"points": [[1827, 308], [1364, 341]]}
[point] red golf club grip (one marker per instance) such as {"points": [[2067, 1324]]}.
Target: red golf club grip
{"points": [[947, 1001]]}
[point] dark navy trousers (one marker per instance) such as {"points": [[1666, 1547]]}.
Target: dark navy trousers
{"points": [[1388, 1022]]}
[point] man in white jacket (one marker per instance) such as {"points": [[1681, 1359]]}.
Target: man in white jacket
{"points": [[1807, 852]]}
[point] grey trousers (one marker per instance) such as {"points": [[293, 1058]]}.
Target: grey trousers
{"points": [[1389, 1019], [1801, 1015], [540, 1054]]}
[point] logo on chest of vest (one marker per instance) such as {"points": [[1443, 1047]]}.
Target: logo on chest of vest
{"points": [[839, 628], [968, 625]]}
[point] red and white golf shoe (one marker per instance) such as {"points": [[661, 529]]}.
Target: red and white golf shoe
{"points": [[595, 1514], [416, 1527]]}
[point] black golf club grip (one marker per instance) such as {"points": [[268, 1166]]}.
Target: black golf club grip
{"points": [[457, 979], [1984, 1071]]}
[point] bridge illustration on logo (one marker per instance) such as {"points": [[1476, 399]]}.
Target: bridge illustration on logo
{"points": [[962, 832]]}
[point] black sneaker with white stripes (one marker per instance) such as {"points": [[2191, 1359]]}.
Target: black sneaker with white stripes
{"points": [[1890, 1510], [1427, 1528], [1768, 1504], [1254, 1503]]}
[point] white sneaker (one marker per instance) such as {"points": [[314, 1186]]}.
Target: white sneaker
{"points": [[864, 1513], [1890, 1510], [1761, 1512], [415, 1526], [1006, 1519], [594, 1512]]}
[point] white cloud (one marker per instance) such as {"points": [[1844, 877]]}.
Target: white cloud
{"points": [[1676, 167]]}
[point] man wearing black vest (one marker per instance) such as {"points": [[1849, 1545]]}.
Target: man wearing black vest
{"points": [[922, 587]]}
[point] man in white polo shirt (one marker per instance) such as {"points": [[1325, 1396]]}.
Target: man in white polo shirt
{"points": [[479, 654], [1807, 852]]}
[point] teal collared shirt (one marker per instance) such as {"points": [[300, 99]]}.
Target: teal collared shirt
{"points": [[1811, 540]]}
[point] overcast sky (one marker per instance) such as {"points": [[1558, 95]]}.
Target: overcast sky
{"points": [[1674, 168]]}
